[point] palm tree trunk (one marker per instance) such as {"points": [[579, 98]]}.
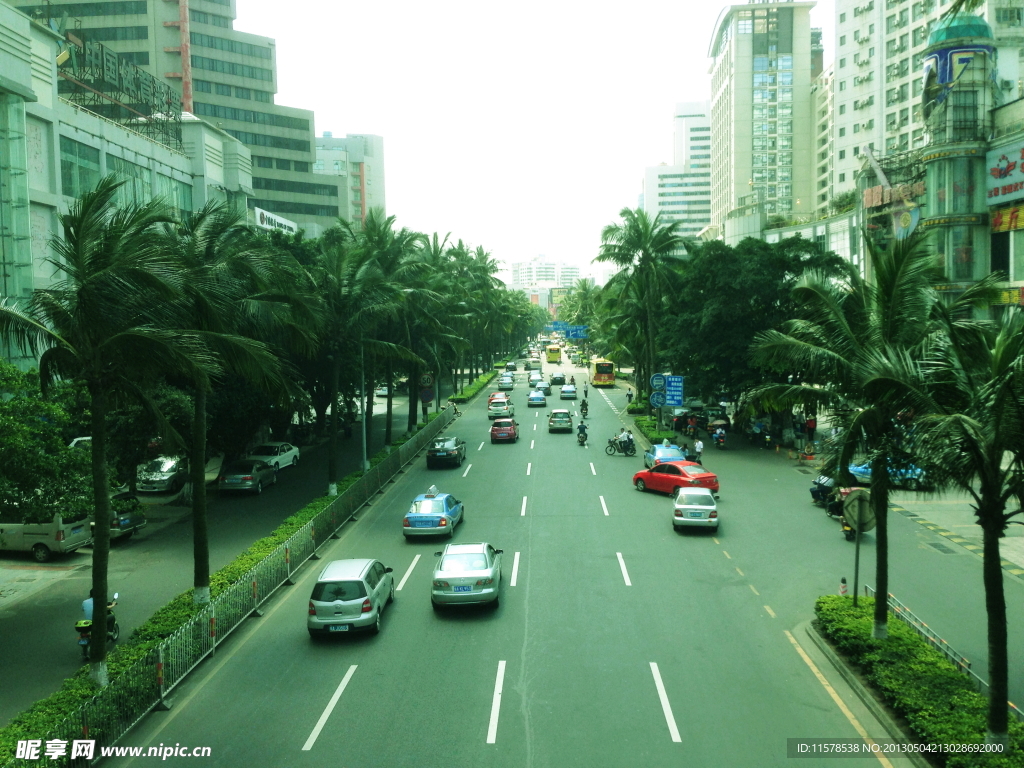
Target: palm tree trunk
{"points": [[389, 378], [880, 506], [200, 529], [414, 376], [101, 536], [995, 606], [332, 430]]}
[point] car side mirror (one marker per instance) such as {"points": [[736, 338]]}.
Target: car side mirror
{"points": [[498, 551], [437, 554], [389, 570]]}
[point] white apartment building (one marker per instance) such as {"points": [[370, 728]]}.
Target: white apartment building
{"points": [[540, 271], [764, 59], [823, 116], [682, 191], [358, 161], [879, 74]]}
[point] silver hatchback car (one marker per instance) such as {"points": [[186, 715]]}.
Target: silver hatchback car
{"points": [[695, 508], [465, 574], [349, 595]]}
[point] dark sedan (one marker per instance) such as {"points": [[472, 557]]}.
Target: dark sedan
{"points": [[447, 449]]}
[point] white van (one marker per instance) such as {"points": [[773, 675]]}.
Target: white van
{"points": [[61, 535]]}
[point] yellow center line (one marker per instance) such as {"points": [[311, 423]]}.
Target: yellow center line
{"points": [[836, 698]]}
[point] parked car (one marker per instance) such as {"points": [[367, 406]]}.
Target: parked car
{"points": [[446, 449], [350, 595], [277, 455], [911, 477], [466, 574], [381, 391], [694, 508], [497, 408], [164, 474], [568, 392], [432, 513], [660, 453], [670, 476], [246, 475], [536, 398], [60, 534], [126, 516], [504, 431], [560, 421]]}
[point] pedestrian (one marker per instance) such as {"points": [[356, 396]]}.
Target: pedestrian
{"points": [[585, 390], [629, 396], [811, 425], [698, 449]]}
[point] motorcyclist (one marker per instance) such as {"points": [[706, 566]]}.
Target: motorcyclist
{"points": [[622, 439], [584, 406], [719, 436], [87, 609], [581, 432], [572, 380]]}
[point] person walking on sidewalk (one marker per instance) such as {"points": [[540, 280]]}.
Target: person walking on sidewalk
{"points": [[629, 396]]}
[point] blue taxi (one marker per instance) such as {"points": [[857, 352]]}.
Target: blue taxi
{"points": [[432, 513]]}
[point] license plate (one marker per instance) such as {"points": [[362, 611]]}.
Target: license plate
{"points": [[503, 434], [83, 641], [338, 628], [463, 589], [422, 523], [234, 480], [696, 514]]}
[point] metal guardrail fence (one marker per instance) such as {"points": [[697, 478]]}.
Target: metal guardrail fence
{"points": [[908, 617], [115, 709]]}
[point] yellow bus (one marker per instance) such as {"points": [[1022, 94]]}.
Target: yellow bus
{"points": [[602, 372], [554, 353]]}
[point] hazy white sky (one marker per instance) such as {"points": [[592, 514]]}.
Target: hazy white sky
{"points": [[523, 128]]}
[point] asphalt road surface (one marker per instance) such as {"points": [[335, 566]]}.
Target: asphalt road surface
{"points": [[618, 642]]}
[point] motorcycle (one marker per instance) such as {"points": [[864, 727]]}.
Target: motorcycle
{"points": [[822, 489], [614, 446], [719, 441], [584, 410], [84, 629], [581, 438], [834, 509]]}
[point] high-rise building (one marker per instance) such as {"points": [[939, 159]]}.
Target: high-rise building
{"points": [[358, 162], [682, 191], [879, 74], [764, 58], [541, 271], [228, 78], [823, 122]]}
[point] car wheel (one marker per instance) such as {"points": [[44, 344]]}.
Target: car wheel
{"points": [[430, 465], [277, 466], [41, 553], [259, 487], [641, 486], [495, 602], [451, 532], [677, 528], [276, 477], [313, 634], [391, 597], [493, 441], [436, 606], [675, 491], [295, 460], [376, 625]]}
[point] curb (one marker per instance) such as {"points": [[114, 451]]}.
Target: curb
{"points": [[866, 696]]}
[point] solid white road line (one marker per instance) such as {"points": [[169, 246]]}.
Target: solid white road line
{"points": [[492, 726], [531, 444], [408, 573], [522, 512], [515, 570], [529, 466], [481, 447], [592, 470], [467, 470], [330, 708], [665, 706], [622, 567], [604, 506]]}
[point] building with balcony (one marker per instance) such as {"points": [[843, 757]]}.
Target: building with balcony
{"points": [[357, 162]]}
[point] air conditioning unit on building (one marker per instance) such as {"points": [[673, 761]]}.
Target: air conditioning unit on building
{"points": [[1007, 85], [893, 126]]}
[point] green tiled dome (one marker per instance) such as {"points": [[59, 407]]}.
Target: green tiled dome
{"points": [[961, 25]]}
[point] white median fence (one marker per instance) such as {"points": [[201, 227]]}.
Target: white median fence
{"points": [[146, 684]]}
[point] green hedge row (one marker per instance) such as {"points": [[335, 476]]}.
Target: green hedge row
{"points": [[639, 405], [648, 427], [473, 389], [46, 714], [918, 683]]}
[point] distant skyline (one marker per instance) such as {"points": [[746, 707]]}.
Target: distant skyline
{"points": [[524, 129]]}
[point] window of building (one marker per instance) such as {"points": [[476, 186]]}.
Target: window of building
{"points": [[842, 18], [785, 62], [842, 85], [283, 165], [300, 187], [842, 132], [243, 93], [785, 94], [250, 116], [75, 10], [300, 166], [1010, 17], [745, 26], [842, 63], [842, 109], [785, 142], [202, 86], [208, 18], [842, 39], [871, 29], [113, 33], [856, 127], [221, 89], [232, 68], [138, 58], [232, 46], [842, 177], [79, 167], [842, 154], [263, 140], [138, 186], [318, 165], [917, 86], [263, 162], [856, 151], [263, 96]]}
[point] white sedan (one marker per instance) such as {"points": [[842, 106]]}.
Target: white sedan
{"points": [[276, 455]]}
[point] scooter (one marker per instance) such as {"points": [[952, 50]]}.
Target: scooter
{"points": [[584, 410], [834, 509], [614, 446], [719, 441], [84, 629]]}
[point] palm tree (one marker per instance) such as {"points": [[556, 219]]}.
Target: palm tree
{"points": [[848, 330], [966, 394], [235, 287], [646, 249], [107, 322]]}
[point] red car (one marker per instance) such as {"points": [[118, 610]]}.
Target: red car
{"points": [[504, 431], [670, 476]]}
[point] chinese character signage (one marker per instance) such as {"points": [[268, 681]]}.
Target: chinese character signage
{"points": [[1008, 219], [1005, 178]]}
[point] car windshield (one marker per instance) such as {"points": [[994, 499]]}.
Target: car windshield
{"points": [[160, 465], [266, 450], [444, 443], [694, 500], [467, 561], [330, 591], [695, 470], [427, 507], [560, 417]]}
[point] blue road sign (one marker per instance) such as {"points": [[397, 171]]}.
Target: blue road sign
{"points": [[560, 325], [674, 390], [577, 332], [549, 327], [657, 399], [658, 382]]}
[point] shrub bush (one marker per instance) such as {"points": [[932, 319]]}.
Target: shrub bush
{"points": [[474, 388], [648, 427], [918, 683]]}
